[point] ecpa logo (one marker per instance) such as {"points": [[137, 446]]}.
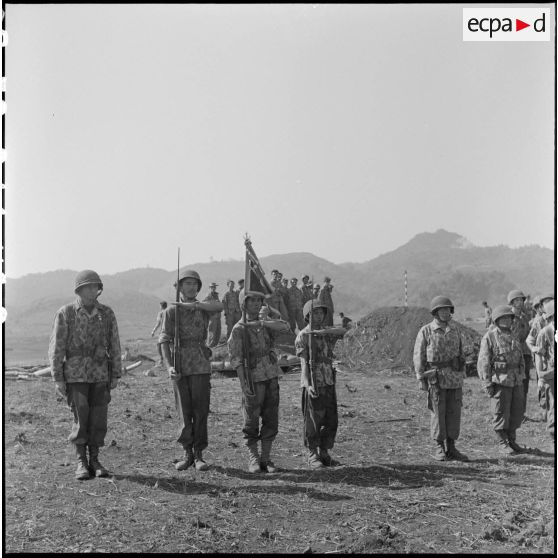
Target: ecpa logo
{"points": [[506, 24]]}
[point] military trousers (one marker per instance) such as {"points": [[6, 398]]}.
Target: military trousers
{"points": [[547, 400], [89, 405], [296, 319], [231, 319], [263, 404], [507, 406], [320, 418], [214, 331], [528, 359], [191, 396], [445, 412]]}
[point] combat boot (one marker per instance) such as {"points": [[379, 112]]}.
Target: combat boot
{"points": [[314, 459], [325, 458], [439, 453], [254, 459], [97, 470], [514, 445], [199, 463], [82, 471], [453, 452], [186, 461], [503, 443], [266, 465]]}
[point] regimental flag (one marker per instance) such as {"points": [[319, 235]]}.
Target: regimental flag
{"points": [[254, 276]]}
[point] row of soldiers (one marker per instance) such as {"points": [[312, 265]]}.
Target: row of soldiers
{"points": [[504, 363], [85, 359]]}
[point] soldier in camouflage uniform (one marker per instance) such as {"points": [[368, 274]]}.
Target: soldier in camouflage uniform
{"points": [[231, 306], [214, 328], [538, 322], [252, 354], [295, 306], [501, 367], [521, 328], [325, 298], [85, 362], [545, 364], [317, 379], [190, 381], [439, 366], [306, 289]]}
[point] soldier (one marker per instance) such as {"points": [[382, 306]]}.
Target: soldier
{"points": [[190, 376], [240, 285], [487, 315], [520, 328], [501, 367], [325, 298], [295, 306], [158, 324], [439, 366], [214, 327], [306, 289], [317, 379], [85, 362], [538, 322], [316, 291], [276, 299], [545, 365], [251, 350], [232, 307], [345, 320]]}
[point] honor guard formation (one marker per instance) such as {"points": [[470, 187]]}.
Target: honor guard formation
{"points": [[85, 359]]}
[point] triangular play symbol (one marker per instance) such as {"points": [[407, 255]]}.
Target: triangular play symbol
{"points": [[519, 25]]}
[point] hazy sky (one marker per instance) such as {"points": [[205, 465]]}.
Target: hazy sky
{"points": [[341, 130]]}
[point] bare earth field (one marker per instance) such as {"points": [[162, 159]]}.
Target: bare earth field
{"points": [[386, 495]]}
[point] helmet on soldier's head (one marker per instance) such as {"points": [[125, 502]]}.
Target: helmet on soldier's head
{"points": [[441, 302], [190, 274], [305, 277], [501, 311], [310, 305], [87, 277], [549, 308], [243, 295], [546, 297], [516, 293], [536, 301]]}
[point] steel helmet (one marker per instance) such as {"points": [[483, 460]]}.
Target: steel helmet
{"points": [[190, 273], [547, 297], [243, 295], [87, 277], [441, 302], [536, 301], [515, 294], [310, 305], [501, 311], [549, 308]]}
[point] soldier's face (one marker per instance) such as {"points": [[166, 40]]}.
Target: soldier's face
{"points": [[253, 306], [517, 303], [444, 314], [88, 293], [318, 315], [189, 287], [505, 322], [231, 286], [294, 282]]}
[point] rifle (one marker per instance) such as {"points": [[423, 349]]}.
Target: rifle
{"points": [[310, 355], [245, 377], [176, 347]]}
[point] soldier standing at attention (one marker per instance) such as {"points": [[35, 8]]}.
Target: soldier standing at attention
{"points": [[325, 298], [251, 350], [158, 324], [85, 362], [439, 367], [487, 314], [545, 364], [191, 381], [214, 327], [317, 379], [306, 289], [520, 328], [295, 306], [501, 367], [231, 306]]}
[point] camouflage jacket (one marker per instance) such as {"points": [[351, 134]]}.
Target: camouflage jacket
{"points": [[537, 323], [520, 328], [545, 362], [83, 347], [231, 303], [261, 357], [501, 358], [294, 301], [322, 356], [192, 331], [440, 346]]}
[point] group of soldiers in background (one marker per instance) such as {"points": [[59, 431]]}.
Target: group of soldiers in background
{"points": [[504, 362]]}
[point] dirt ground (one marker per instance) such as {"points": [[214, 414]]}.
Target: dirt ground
{"points": [[386, 495]]}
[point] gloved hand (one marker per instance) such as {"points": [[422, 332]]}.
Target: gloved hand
{"points": [[490, 389], [423, 384], [113, 383], [173, 373], [60, 389]]}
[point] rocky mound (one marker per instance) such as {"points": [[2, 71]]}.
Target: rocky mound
{"points": [[385, 338]]}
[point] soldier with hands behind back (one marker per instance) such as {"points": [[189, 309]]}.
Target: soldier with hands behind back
{"points": [[439, 366], [85, 361]]}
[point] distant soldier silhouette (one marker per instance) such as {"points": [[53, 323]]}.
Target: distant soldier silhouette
{"points": [[325, 298], [231, 306], [487, 315], [158, 324], [306, 290], [295, 305], [214, 327]]}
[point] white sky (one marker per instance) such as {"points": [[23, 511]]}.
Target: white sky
{"points": [[341, 130]]}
